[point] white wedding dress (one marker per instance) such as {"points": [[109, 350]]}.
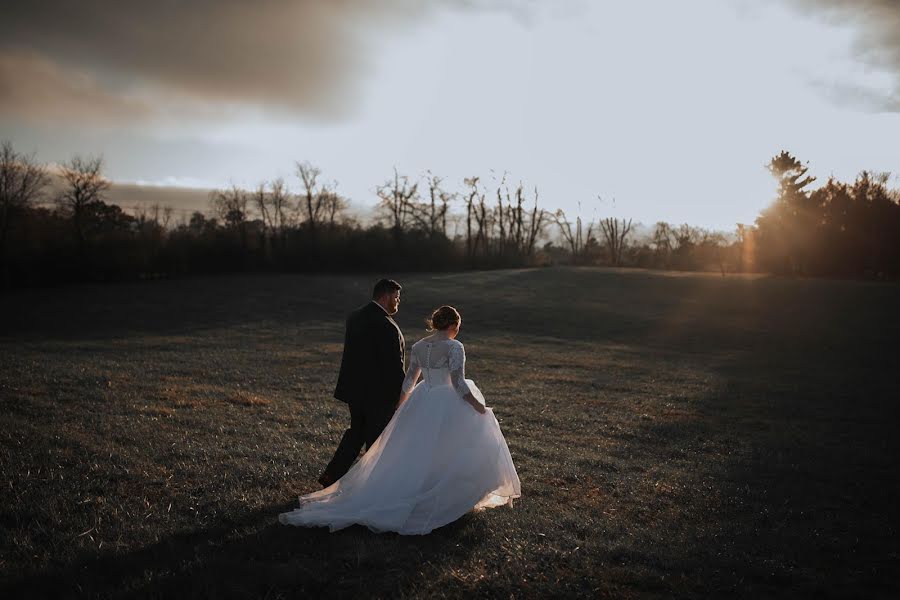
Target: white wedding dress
{"points": [[436, 460]]}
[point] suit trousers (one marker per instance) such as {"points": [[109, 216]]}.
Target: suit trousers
{"points": [[367, 421]]}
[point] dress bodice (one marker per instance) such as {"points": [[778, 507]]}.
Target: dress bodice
{"points": [[440, 361], [436, 376]]}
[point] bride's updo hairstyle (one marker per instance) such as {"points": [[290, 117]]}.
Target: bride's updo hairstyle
{"points": [[442, 319]]}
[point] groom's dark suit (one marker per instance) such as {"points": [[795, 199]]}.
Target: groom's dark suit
{"points": [[369, 381]]}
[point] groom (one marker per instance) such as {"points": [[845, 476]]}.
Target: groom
{"points": [[371, 375]]}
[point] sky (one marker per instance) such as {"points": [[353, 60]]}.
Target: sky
{"points": [[647, 109]]}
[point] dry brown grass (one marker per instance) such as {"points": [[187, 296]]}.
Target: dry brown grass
{"points": [[675, 436]]}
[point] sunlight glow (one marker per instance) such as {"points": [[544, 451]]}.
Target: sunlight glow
{"points": [[670, 109]]}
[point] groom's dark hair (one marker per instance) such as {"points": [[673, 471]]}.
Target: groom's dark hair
{"points": [[384, 286]]}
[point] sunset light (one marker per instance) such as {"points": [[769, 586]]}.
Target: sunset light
{"points": [[671, 109], [449, 299]]}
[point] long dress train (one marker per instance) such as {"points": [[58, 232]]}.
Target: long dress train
{"points": [[436, 460]]}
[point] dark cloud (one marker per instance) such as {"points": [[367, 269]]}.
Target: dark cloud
{"points": [[36, 89], [300, 55], [304, 56], [877, 45], [129, 60]]}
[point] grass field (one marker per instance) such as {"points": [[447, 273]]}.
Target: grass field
{"points": [[676, 435]]}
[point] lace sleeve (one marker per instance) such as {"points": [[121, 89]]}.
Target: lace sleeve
{"points": [[412, 375], [458, 368]]}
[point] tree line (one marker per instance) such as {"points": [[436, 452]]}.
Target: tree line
{"points": [[67, 231], [839, 229]]}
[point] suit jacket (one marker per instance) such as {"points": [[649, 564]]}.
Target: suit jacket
{"points": [[372, 363]]}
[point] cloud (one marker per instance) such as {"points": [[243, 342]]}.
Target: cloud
{"points": [[877, 45], [114, 62], [301, 56], [296, 55], [34, 88], [859, 97]]}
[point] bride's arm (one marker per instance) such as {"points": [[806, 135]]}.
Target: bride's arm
{"points": [[458, 376], [412, 375], [478, 406]]}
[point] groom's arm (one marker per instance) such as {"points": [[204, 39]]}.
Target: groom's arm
{"points": [[390, 354], [349, 356]]}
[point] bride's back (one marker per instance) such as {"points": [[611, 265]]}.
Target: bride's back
{"points": [[438, 356], [433, 351]]}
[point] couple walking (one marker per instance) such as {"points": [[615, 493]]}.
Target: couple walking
{"points": [[434, 451]]}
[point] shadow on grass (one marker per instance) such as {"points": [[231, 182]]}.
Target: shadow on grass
{"points": [[770, 471], [809, 497], [800, 470], [99, 312], [255, 556]]}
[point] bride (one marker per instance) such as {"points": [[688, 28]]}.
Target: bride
{"points": [[441, 455]]}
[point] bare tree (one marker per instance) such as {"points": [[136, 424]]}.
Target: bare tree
{"points": [[485, 225], [85, 186], [430, 216], [22, 182], [616, 234], [446, 199], [397, 197], [525, 227], [535, 225], [472, 182], [573, 236], [230, 205], [261, 201], [517, 230], [686, 237], [517, 227], [662, 240], [718, 241], [272, 201], [315, 196], [139, 212], [333, 205], [167, 212], [279, 200], [435, 213], [662, 237], [501, 216], [155, 210]]}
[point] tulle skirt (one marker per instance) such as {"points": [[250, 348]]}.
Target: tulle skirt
{"points": [[435, 461]]}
